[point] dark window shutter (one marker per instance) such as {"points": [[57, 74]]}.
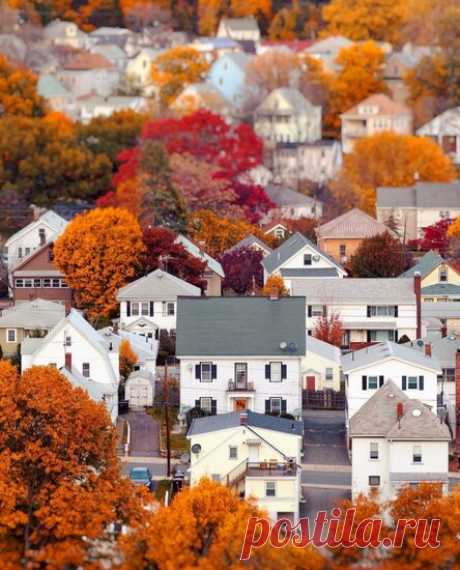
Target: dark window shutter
{"points": [[151, 308], [396, 336], [380, 381], [364, 382], [283, 406], [421, 383], [197, 404], [267, 371], [404, 383], [396, 310], [157, 334], [324, 311], [309, 310], [267, 406], [128, 308], [368, 336], [283, 371], [198, 371], [368, 310], [213, 407], [214, 371]]}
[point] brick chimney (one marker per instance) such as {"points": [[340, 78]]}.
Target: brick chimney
{"points": [[399, 410], [274, 294], [418, 302], [428, 349], [457, 400], [68, 360]]}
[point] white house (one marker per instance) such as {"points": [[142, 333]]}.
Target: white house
{"points": [[138, 71], [298, 258], [321, 366], [285, 115], [61, 33], [36, 234], [239, 29], [445, 130], [241, 353], [376, 114], [88, 73], [252, 242], [81, 353], [396, 441], [213, 274], [370, 310], [292, 205], [416, 207], [257, 455], [367, 370], [149, 304]]}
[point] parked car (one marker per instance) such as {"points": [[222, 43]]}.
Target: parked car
{"points": [[141, 476]]}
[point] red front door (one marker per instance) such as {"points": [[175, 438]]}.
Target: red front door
{"points": [[310, 382]]}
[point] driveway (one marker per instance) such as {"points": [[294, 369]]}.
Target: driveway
{"points": [[324, 440], [145, 434]]}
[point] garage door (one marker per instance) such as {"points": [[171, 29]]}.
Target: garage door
{"points": [[138, 395]]}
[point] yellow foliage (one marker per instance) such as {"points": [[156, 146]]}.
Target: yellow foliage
{"points": [[275, 282], [454, 229], [241, 8], [128, 358]]}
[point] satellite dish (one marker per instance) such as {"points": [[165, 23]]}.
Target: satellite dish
{"points": [[420, 343], [416, 413], [292, 347], [196, 448], [185, 457], [316, 258], [283, 345]]}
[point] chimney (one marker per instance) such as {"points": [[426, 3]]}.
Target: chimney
{"points": [[399, 410], [418, 302], [274, 294], [115, 327], [457, 399], [428, 349], [244, 418], [68, 360]]}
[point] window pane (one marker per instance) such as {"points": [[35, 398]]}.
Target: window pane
{"points": [[205, 404], [412, 382], [374, 480], [329, 373], [275, 371], [135, 309], [145, 309], [372, 382], [206, 371], [275, 405], [374, 451]]}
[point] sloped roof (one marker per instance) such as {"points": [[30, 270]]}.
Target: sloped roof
{"points": [[233, 420], [289, 248], [283, 196], [422, 195], [87, 60], [138, 343], [425, 265], [445, 350], [441, 289], [353, 224], [243, 326], [158, 284], [378, 418], [248, 241], [332, 44], [50, 218], [359, 291], [49, 86], [96, 390], [386, 106], [324, 349], [293, 97], [313, 272], [248, 24], [449, 122], [196, 251], [36, 314], [384, 350], [240, 59]]}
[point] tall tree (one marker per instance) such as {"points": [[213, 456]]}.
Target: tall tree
{"points": [[99, 252], [275, 283], [60, 484], [329, 329], [243, 270], [128, 358], [18, 92], [380, 256], [435, 237]]}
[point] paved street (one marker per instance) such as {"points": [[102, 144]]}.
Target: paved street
{"points": [[324, 441], [145, 434]]}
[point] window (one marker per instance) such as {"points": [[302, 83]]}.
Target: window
{"points": [[170, 309], [275, 405], [448, 375], [270, 488], [28, 283], [417, 454], [381, 336], [85, 369], [374, 480], [19, 282], [63, 283], [46, 282], [233, 452], [27, 251], [381, 311], [135, 309], [307, 259], [19, 252], [342, 250], [241, 374], [56, 282], [275, 372], [11, 335], [279, 233], [443, 273], [206, 372], [317, 310], [412, 382], [145, 309], [374, 450], [206, 404], [372, 382], [37, 282], [215, 476], [68, 341], [329, 374], [444, 214], [42, 236]]}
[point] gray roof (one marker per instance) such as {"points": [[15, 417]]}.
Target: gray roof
{"points": [[196, 251], [353, 224], [378, 418], [415, 477], [288, 249], [248, 24], [49, 86], [381, 351], [240, 326], [240, 59], [444, 349], [249, 241], [309, 272], [442, 310], [37, 314], [96, 390], [283, 196], [292, 96], [448, 289], [359, 291], [233, 420], [324, 349], [157, 285], [425, 265], [422, 195]]}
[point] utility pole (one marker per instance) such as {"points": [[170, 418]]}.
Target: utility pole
{"points": [[166, 410]]}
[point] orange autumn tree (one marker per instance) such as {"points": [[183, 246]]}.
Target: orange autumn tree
{"points": [[275, 282], [329, 329], [176, 68], [388, 159], [204, 528], [216, 234], [99, 252], [128, 358], [60, 482]]}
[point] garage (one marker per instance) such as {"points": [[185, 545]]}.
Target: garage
{"points": [[139, 389]]}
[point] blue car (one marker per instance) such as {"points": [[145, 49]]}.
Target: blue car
{"points": [[141, 476]]}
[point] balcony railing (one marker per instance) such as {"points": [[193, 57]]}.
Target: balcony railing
{"points": [[240, 386], [271, 469]]}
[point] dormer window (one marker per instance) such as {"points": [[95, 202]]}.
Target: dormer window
{"points": [[443, 273], [307, 259], [42, 236]]}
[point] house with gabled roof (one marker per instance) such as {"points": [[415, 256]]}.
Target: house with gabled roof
{"points": [[213, 273], [148, 306], [252, 242], [239, 29], [342, 236], [321, 366], [445, 130], [396, 440], [299, 258], [62, 33], [241, 353], [257, 455], [82, 354], [292, 205], [228, 75], [440, 278], [89, 73]]}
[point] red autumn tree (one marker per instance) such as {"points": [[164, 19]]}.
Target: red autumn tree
{"points": [[163, 251], [329, 329], [243, 270], [435, 237]]}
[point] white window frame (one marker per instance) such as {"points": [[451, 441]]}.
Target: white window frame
{"points": [[329, 374], [233, 452], [417, 457], [274, 366], [170, 309], [307, 256], [270, 488], [272, 410], [19, 283], [374, 477], [369, 387], [409, 387], [374, 451], [145, 308], [206, 399], [203, 366], [8, 331], [315, 312], [86, 370], [135, 309]]}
